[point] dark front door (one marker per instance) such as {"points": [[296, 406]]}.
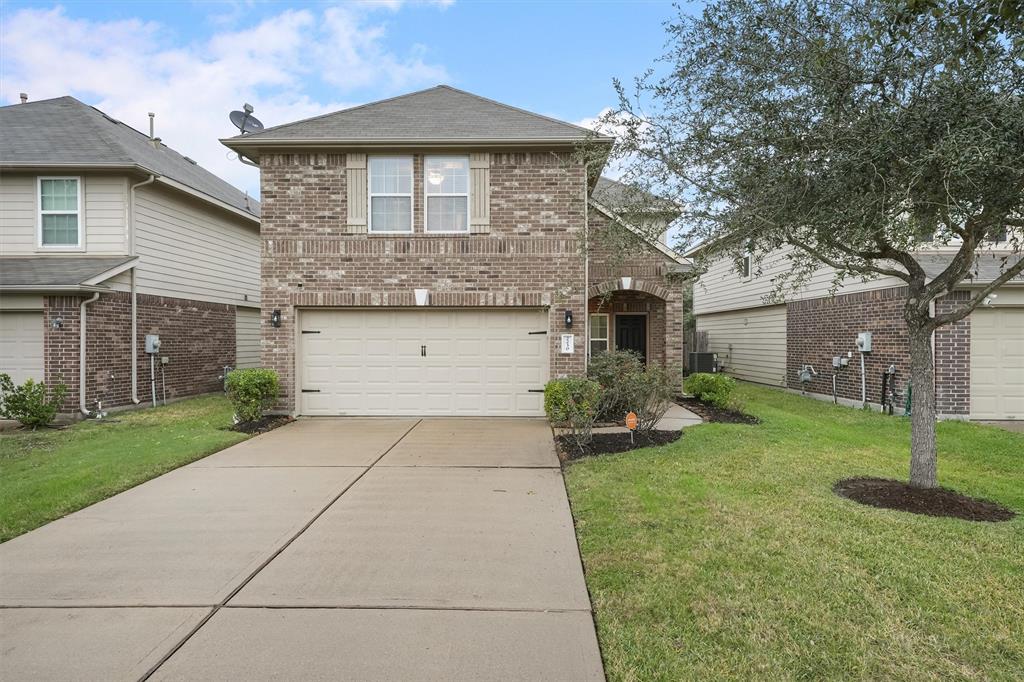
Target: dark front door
{"points": [[631, 334]]}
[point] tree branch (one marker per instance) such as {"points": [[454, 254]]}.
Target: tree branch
{"points": [[959, 314], [861, 269]]}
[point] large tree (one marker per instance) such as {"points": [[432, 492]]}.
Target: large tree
{"points": [[871, 137]]}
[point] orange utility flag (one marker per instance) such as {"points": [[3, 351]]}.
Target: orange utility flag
{"points": [[631, 421]]}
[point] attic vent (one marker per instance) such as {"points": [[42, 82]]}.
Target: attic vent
{"points": [[112, 120], [192, 161]]}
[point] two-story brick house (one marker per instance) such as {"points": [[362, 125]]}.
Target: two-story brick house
{"points": [[108, 236], [427, 255]]}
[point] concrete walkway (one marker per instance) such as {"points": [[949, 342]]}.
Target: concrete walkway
{"points": [[368, 549], [677, 417]]}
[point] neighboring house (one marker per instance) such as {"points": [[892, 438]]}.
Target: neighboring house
{"points": [[106, 236], [425, 255], [979, 360]]}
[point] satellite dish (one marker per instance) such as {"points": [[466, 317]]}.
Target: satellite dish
{"points": [[245, 121]]}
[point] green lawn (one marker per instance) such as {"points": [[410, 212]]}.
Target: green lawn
{"points": [[726, 555], [49, 473]]}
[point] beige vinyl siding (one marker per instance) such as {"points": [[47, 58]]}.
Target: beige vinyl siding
{"points": [[104, 213], [190, 250], [751, 343], [722, 287], [247, 337], [17, 215]]}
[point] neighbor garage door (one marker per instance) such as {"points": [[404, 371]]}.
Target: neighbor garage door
{"points": [[422, 362], [997, 363], [21, 345]]}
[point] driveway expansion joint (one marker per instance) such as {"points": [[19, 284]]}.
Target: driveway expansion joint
{"points": [[149, 673]]}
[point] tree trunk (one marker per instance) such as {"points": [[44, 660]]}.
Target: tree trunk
{"points": [[923, 463]]}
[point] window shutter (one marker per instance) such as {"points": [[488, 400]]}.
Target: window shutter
{"points": [[355, 169], [480, 193]]}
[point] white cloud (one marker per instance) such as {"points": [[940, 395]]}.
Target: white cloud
{"points": [[128, 68]]}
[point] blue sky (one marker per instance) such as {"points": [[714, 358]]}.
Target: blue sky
{"points": [[191, 62]]}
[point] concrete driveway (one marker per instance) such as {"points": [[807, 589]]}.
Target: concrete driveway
{"points": [[369, 549]]}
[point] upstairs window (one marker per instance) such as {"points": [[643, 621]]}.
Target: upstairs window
{"points": [[390, 193], [60, 212], [446, 185]]}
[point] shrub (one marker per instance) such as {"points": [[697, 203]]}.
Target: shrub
{"points": [[252, 391], [572, 402], [651, 395], [714, 389], [615, 372], [628, 386], [28, 403]]}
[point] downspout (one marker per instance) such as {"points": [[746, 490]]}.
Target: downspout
{"points": [[81, 353], [135, 324]]}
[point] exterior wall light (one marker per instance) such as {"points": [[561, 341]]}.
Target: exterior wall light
{"points": [[568, 318], [58, 323], [275, 318]]}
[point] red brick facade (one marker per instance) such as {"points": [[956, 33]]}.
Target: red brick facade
{"points": [[531, 256], [821, 328], [653, 290], [198, 338]]}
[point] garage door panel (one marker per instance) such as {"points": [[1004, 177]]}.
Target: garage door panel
{"points": [[21, 345], [997, 363], [478, 362]]}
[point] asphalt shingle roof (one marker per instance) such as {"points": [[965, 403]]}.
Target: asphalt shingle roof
{"points": [[55, 271], [66, 131], [441, 113]]}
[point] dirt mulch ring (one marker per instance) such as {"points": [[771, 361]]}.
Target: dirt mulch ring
{"points": [[885, 493], [610, 443], [719, 415], [263, 424]]}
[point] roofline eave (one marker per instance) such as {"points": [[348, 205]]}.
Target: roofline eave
{"points": [[249, 146]]}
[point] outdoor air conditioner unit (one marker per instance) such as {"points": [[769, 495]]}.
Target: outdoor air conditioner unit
{"points": [[704, 362]]}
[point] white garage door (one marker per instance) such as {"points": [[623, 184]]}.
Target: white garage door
{"points": [[997, 363], [422, 362], [21, 345]]}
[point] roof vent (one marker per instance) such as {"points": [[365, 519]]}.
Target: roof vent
{"points": [[152, 116], [24, 97], [191, 160]]}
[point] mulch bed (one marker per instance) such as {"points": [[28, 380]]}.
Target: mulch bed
{"points": [[719, 415], [263, 424], [610, 443], [888, 494]]}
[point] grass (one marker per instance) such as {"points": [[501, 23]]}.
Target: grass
{"points": [[47, 474], [725, 555]]}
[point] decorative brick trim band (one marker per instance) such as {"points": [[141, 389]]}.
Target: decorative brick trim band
{"points": [[303, 159], [891, 294], [420, 245], [638, 285], [442, 299]]}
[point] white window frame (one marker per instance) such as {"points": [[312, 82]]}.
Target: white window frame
{"points": [[370, 194], [426, 196], [607, 332], [748, 265], [80, 243]]}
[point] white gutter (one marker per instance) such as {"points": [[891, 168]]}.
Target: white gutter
{"points": [[81, 353], [135, 317]]}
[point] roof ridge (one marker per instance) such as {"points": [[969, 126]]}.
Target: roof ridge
{"points": [[441, 86]]}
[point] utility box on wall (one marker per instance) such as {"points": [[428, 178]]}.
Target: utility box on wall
{"points": [[864, 342], [152, 344]]}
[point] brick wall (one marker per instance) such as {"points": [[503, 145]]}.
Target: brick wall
{"points": [[197, 337], [531, 257], [821, 328], [660, 296], [953, 359]]}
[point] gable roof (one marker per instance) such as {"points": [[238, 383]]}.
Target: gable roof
{"points": [[64, 132], [441, 115], [665, 250]]}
